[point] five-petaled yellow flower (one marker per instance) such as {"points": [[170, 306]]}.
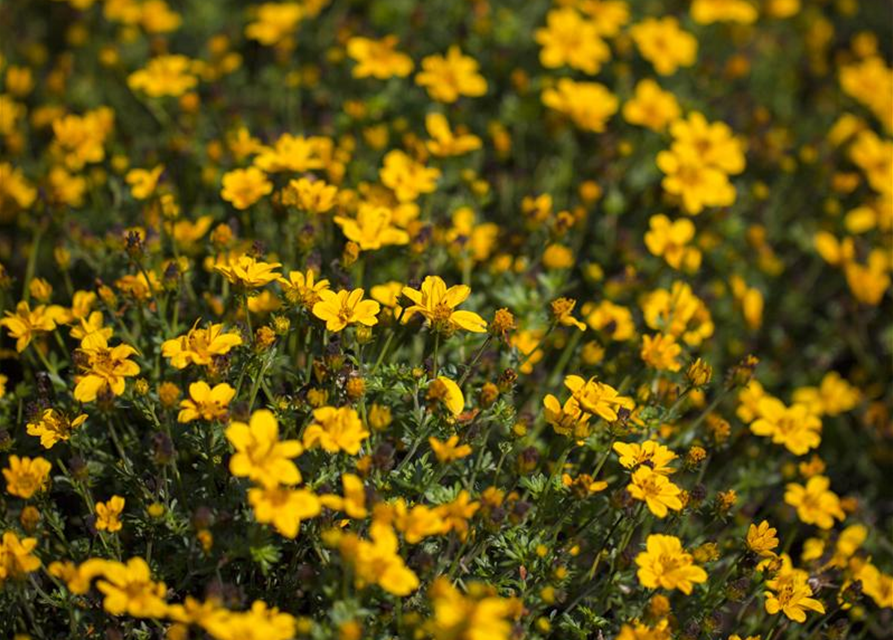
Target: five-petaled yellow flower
{"points": [[667, 565], [105, 369], [206, 403], [343, 308], [438, 304], [260, 455]]}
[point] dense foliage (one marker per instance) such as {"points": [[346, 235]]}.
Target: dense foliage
{"points": [[453, 319]]}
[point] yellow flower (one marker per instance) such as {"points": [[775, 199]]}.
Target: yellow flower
{"points": [[562, 313], [25, 476], [794, 427], [655, 455], [667, 565], [130, 590], [294, 154], [875, 157], [588, 104], [664, 44], [303, 288], [447, 452], [678, 312], [761, 539], [792, 595], [598, 398], [444, 142], [567, 420], [832, 397], [249, 273], [670, 240], [815, 503], [372, 228], [244, 187], [611, 319], [651, 106], [343, 308], [641, 631], [79, 140], [661, 352], [354, 501], [275, 22], [314, 196], [168, 75], [481, 615], [260, 455], [607, 15], [15, 190], [105, 369], [570, 40], [378, 58], [199, 346], [438, 304], [284, 508], [655, 490], [713, 143], [456, 514], [53, 426], [336, 429], [143, 181], [26, 323], [16, 556], [444, 390], [407, 178], [448, 77], [205, 403], [710, 11], [376, 561], [697, 184], [108, 514]]}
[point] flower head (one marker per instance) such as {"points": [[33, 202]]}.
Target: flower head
{"points": [[260, 454], [437, 304], [343, 308], [26, 476], [666, 564], [336, 429]]}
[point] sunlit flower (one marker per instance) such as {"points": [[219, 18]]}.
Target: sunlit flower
{"points": [[667, 565], [260, 454], [343, 308], [437, 304]]}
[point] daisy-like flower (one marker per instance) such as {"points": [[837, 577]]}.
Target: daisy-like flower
{"points": [[108, 514], [654, 454], [438, 304], [450, 450], [25, 476], [53, 426], [598, 398], [243, 187], [199, 345], [26, 323], [206, 403], [260, 455], [303, 288], [794, 427], [448, 77], [655, 490], [667, 565], [336, 429], [283, 507], [106, 368], [249, 273], [343, 308]]}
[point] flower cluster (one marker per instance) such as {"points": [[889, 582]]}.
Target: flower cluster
{"points": [[476, 320]]}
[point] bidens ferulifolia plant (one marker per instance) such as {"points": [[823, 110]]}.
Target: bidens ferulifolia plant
{"points": [[446, 320]]}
